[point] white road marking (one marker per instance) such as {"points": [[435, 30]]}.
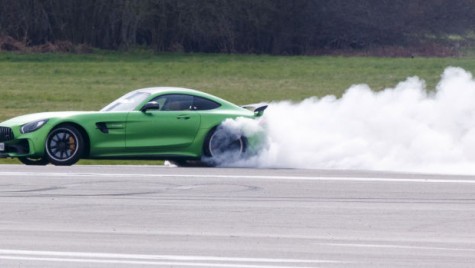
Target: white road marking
{"points": [[142, 259], [254, 177], [155, 263], [389, 246]]}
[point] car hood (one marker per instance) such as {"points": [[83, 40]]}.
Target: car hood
{"points": [[20, 120]]}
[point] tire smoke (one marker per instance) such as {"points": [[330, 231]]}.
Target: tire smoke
{"points": [[405, 128]]}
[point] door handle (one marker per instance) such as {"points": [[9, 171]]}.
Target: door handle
{"points": [[184, 117]]}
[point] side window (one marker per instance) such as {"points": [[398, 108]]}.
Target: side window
{"points": [[201, 104], [175, 102]]}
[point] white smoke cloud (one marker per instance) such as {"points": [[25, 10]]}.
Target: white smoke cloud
{"points": [[400, 129]]}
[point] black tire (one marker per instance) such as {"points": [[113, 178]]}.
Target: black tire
{"points": [[222, 146], [41, 161], [64, 145]]}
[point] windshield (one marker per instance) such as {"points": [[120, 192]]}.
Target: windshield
{"points": [[126, 103]]}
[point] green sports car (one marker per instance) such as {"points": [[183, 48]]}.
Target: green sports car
{"points": [[167, 123]]}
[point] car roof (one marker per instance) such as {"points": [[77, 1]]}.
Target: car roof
{"points": [[178, 90], [154, 90]]}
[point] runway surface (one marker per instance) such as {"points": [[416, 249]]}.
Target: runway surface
{"points": [[146, 216]]}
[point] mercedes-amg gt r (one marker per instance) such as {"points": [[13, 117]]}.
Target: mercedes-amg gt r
{"points": [[176, 124]]}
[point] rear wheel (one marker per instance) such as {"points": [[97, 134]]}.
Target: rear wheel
{"points": [[41, 161], [64, 145], [221, 146]]}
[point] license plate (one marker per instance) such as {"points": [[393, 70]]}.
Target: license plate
{"points": [[2, 147]]}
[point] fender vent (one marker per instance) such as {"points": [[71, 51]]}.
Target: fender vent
{"points": [[102, 127]]}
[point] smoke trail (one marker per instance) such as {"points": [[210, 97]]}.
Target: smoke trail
{"points": [[401, 129]]}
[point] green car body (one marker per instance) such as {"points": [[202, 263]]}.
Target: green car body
{"points": [[153, 123]]}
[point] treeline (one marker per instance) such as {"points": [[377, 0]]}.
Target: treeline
{"points": [[235, 26]]}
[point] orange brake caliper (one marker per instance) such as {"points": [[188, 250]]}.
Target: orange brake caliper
{"points": [[72, 143]]}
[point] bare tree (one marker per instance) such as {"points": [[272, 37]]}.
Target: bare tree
{"points": [[235, 26]]}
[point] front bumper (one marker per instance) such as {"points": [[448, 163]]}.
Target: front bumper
{"points": [[16, 148], [17, 144]]}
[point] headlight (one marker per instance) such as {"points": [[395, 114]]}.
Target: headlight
{"points": [[32, 126]]}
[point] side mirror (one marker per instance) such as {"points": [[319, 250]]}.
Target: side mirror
{"points": [[153, 105]]}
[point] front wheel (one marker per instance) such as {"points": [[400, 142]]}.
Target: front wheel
{"points": [[222, 146], [64, 146]]}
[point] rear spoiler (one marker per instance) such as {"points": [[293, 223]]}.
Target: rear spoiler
{"points": [[257, 108]]}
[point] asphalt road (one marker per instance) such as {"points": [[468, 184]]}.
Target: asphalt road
{"points": [[132, 216]]}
